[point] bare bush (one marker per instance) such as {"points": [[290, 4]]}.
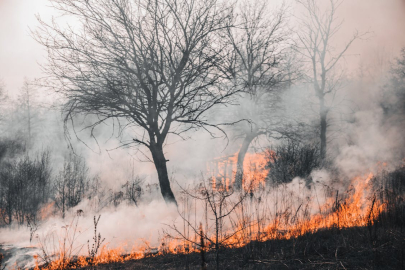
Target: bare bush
{"points": [[97, 240], [24, 187], [291, 159], [97, 194], [133, 190], [71, 185], [57, 250], [219, 204]]}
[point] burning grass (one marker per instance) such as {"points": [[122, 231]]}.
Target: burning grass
{"points": [[348, 248], [253, 217]]}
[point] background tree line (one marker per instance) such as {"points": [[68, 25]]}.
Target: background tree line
{"points": [[32, 188]]}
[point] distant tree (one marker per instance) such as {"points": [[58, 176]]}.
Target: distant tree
{"points": [[399, 66], [259, 67], [393, 101], [21, 116], [149, 64], [24, 187], [32, 180], [9, 151], [71, 185], [2, 87], [25, 106], [3, 99], [315, 44]]}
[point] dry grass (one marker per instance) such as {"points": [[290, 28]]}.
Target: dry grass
{"points": [[341, 239]]}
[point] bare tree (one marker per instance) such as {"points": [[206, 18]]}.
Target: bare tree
{"points": [[393, 98], [399, 67], [259, 40], [315, 44], [2, 88], [395, 87], [149, 64], [25, 103], [3, 98]]}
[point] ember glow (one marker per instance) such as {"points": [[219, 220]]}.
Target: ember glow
{"points": [[223, 170]]}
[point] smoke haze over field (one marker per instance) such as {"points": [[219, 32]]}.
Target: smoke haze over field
{"points": [[383, 20], [361, 136]]}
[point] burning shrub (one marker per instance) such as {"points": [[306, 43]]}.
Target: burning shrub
{"points": [[58, 250], [291, 159], [392, 193]]}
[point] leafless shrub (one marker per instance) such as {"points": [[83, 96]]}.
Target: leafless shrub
{"points": [[97, 194], [220, 204], [133, 190], [60, 249], [71, 185], [32, 225], [117, 197], [97, 241], [24, 187], [291, 159]]}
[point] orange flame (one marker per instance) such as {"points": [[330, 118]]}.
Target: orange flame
{"points": [[357, 208], [223, 171]]}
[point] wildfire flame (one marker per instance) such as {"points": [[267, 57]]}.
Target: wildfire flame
{"points": [[357, 208], [223, 171]]}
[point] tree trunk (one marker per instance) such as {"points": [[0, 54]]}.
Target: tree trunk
{"points": [[161, 168], [217, 241], [10, 216], [323, 112], [241, 158]]}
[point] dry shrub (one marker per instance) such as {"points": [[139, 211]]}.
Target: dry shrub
{"points": [[59, 250], [291, 159]]}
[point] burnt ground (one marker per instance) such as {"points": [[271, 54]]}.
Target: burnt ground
{"points": [[16, 257], [373, 247]]}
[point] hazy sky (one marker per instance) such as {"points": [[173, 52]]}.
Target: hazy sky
{"points": [[19, 53]]}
